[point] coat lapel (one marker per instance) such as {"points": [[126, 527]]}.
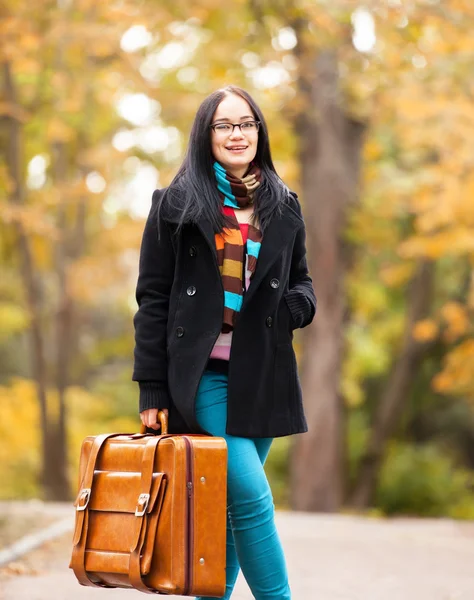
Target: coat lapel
{"points": [[279, 233]]}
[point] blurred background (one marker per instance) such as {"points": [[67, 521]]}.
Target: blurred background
{"points": [[371, 117]]}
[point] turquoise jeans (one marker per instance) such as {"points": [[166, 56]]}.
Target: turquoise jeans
{"points": [[253, 543]]}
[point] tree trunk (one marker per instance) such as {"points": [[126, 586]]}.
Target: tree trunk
{"points": [[65, 245], [330, 149], [52, 486], [68, 247], [63, 322], [393, 401]]}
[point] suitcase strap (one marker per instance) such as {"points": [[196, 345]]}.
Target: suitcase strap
{"points": [[82, 515], [82, 511], [135, 574]]}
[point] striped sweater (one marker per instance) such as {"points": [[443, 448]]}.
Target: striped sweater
{"points": [[221, 349]]}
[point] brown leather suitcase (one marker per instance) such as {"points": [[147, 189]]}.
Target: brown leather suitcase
{"points": [[151, 513]]}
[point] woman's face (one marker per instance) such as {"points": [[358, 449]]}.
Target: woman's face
{"points": [[234, 150]]}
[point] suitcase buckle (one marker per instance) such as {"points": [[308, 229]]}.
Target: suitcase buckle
{"points": [[142, 505], [84, 496]]}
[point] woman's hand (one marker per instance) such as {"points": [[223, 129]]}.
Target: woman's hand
{"points": [[149, 417]]}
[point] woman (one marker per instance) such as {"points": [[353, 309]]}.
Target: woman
{"points": [[223, 282]]}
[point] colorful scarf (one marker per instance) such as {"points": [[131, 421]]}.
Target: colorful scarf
{"points": [[231, 256]]}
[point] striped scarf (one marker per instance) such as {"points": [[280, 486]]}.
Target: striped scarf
{"points": [[231, 257]]}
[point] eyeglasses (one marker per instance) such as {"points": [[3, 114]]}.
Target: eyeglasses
{"points": [[227, 128]]}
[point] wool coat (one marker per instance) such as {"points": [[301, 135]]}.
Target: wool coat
{"points": [[180, 300]]}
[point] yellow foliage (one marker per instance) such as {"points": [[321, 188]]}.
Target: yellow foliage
{"points": [[42, 251], [372, 150], [19, 419], [368, 298], [455, 241], [89, 414], [58, 131], [102, 47], [425, 330], [397, 275], [414, 106], [20, 462], [457, 320], [352, 392], [92, 279], [13, 319], [449, 203], [125, 425], [442, 382], [417, 154], [33, 219], [457, 376]]}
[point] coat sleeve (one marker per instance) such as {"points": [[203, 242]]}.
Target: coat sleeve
{"points": [[155, 278], [300, 298]]}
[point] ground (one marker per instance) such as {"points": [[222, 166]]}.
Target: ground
{"points": [[330, 557]]}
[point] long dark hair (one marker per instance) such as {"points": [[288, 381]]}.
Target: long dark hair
{"points": [[193, 193]]}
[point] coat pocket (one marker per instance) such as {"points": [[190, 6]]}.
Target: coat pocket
{"points": [[284, 324], [284, 377], [291, 321]]}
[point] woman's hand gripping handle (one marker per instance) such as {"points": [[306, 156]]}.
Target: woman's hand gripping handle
{"points": [[154, 418]]}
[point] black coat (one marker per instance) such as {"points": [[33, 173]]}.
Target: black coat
{"points": [[180, 298]]}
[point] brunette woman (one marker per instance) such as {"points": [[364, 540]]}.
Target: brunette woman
{"points": [[223, 283]]}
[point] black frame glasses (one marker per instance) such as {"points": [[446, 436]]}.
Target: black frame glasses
{"points": [[234, 125]]}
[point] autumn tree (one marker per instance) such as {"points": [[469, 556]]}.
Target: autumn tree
{"points": [[59, 108], [374, 135]]}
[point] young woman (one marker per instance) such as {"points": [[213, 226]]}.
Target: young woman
{"points": [[223, 282]]}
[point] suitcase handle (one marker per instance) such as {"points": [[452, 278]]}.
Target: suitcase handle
{"points": [[164, 423]]}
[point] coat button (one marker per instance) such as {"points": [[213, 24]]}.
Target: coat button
{"points": [[179, 331], [191, 290], [269, 321], [192, 251], [275, 283]]}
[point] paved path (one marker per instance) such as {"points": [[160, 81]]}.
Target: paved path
{"points": [[330, 557]]}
